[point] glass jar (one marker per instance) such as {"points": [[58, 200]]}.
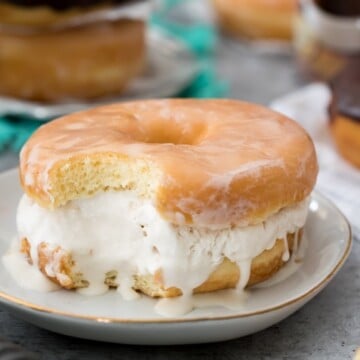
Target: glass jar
{"points": [[327, 37]]}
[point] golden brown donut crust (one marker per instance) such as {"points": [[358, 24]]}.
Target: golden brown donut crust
{"points": [[346, 134], [84, 62], [225, 276], [211, 163], [259, 19]]}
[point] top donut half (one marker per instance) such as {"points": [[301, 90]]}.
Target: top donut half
{"points": [[207, 163]]}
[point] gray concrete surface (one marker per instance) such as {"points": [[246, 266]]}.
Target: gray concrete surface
{"points": [[328, 328]]}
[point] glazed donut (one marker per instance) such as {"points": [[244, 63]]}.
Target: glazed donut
{"points": [[216, 191], [257, 19], [345, 114], [68, 62]]}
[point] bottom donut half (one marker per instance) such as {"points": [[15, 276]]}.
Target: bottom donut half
{"points": [[227, 275]]}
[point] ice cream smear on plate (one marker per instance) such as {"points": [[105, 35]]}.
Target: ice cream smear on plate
{"points": [[167, 198]]}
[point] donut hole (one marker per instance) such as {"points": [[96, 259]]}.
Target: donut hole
{"points": [[173, 132]]}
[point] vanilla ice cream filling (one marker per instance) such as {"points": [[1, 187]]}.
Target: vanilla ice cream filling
{"points": [[120, 232]]}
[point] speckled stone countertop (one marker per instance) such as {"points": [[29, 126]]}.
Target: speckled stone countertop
{"points": [[327, 328]]}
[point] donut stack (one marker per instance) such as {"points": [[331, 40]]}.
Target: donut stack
{"points": [[61, 50]]}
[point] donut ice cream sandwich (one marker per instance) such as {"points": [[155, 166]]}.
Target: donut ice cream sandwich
{"points": [[165, 197]]}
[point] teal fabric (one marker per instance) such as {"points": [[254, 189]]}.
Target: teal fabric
{"points": [[15, 130], [201, 40]]}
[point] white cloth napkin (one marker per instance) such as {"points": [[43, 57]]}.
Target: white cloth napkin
{"points": [[338, 180]]}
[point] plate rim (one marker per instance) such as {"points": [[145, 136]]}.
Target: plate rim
{"points": [[12, 301]]}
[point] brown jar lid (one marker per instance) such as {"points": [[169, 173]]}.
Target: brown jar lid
{"points": [[347, 8]]}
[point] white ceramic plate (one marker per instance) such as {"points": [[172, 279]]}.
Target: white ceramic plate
{"points": [[109, 318], [170, 67]]}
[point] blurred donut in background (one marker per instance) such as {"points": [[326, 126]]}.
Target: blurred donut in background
{"points": [[326, 37], [345, 113], [257, 19], [60, 50]]}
